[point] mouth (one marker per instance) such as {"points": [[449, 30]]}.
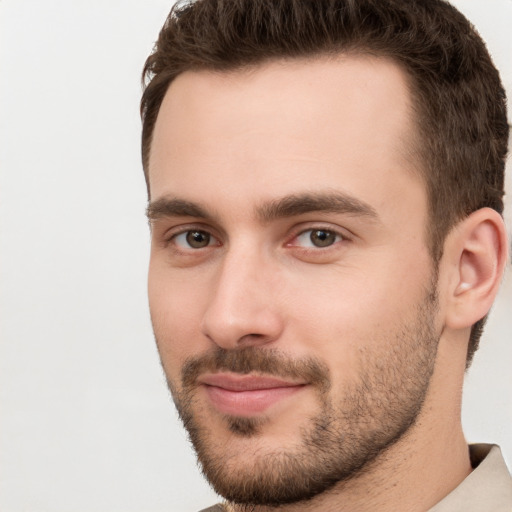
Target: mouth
{"points": [[246, 395]]}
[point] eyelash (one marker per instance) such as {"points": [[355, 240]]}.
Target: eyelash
{"points": [[170, 237], [186, 231], [336, 234], [198, 232]]}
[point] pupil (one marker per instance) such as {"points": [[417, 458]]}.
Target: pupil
{"points": [[198, 239], [322, 238]]}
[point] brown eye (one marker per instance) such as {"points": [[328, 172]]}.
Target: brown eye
{"points": [[322, 237], [318, 238], [197, 239]]}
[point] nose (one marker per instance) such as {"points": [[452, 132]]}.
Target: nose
{"points": [[243, 310]]}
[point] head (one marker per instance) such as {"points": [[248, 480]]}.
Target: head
{"points": [[459, 102], [307, 163]]}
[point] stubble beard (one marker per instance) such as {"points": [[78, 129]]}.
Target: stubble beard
{"points": [[340, 441]]}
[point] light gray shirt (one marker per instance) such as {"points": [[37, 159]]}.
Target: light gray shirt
{"points": [[488, 488]]}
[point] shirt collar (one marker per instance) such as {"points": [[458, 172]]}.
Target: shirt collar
{"points": [[488, 487]]}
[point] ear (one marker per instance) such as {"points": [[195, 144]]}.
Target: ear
{"points": [[477, 254]]}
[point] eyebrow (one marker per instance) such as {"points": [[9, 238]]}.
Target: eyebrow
{"points": [[287, 206], [167, 207], [330, 202]]}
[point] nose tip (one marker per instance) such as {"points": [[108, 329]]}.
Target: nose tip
{"points": [[240, 331], [242, 310]]}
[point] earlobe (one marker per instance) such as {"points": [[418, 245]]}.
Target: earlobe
{"points": [[478, 247]]}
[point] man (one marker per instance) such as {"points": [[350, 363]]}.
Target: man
{"points": [[325, 181]]}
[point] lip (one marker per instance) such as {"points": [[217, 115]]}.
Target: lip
{"points": [[246, 395]]}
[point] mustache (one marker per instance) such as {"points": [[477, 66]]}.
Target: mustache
{"points": [[251, 359]]}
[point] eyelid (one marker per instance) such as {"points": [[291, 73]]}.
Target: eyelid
{"points": [[185, 244], [173, 232], [320, 226]]}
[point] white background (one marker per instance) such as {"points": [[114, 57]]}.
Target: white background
{"points": [[86, 423]]}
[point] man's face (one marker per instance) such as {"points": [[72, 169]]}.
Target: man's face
{"points": [[291, 290]]}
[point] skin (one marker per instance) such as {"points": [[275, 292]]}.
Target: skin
{"points": [[233, 145]]}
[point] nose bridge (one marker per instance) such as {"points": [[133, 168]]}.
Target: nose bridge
{"points": [[241, 309]]}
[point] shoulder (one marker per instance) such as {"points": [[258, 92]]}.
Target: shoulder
{"points": [[215, 508]]}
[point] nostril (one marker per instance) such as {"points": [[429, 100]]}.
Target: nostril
{"points": [[253, 338], [235, 318]]}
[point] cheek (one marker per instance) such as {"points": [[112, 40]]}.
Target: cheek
{"points": [[175, 306], [337, 314]]}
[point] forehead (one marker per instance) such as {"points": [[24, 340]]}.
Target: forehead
{"points": [[299, 124]]}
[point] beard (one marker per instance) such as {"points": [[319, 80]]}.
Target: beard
{"points": [[340, 440]]}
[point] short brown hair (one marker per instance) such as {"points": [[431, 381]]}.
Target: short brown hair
{"points": [[459, 100]]}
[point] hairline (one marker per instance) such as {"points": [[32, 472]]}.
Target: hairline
{"points": [[412, 149]]}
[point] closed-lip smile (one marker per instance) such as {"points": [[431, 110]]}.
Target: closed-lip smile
{"points": [[246, 395]]}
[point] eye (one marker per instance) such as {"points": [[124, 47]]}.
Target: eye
{"points": [[194, 239], [318, 238]]}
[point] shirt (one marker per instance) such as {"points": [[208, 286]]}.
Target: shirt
{"points": [[488, 488]]}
